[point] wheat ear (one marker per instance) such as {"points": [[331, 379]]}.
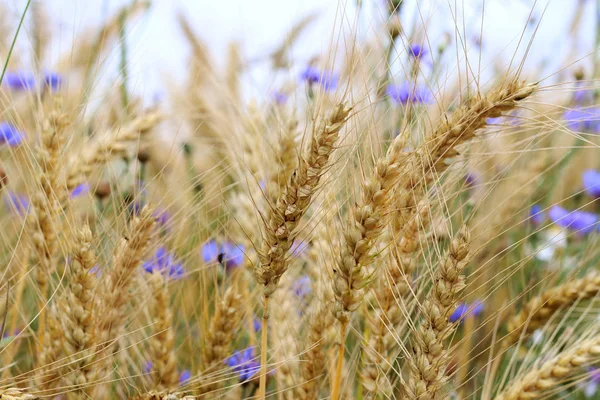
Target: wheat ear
{"points": [[16, 394], [158, 395], [553, 372], [115, 289], [45, 219], [227, 317], [100, 150], [162, 343], [539, 310], [429, 359], [77, 309], [284, 217], [369, 216]]}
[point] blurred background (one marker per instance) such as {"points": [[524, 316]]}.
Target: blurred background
{"points": [[563, 32]]}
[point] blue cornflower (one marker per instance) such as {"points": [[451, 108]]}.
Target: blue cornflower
{"points": [[185, 376], [19, 80], [493, 120], [53, 80], [244, 364], [471, 179], [210, 251], [591, 182], [10, 135], [256, 324], [583, 119], [95, 270], [279, 97], [591, 384], [165, 263], [80, 190], [299, 248], [464, 309], [228, 254], [580, 96], [14, 334], [302, 286], [580, 221], [326, 79], [162, 217], [417, 51], [536, 215], [147, 367], [406, 93], [17, 203]]}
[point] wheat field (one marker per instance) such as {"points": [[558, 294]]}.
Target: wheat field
{"points": [[389, 223]]}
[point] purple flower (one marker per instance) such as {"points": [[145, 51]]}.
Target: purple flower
{"points": [[164, 263], [162, 217], [53, 80], [17, 203], [583, 119], [210, 251], [406, 93], [493, 121], [15, 333], [591, 182], [580, 96], [279, 97], [256, 324], [10, 135], [471, 179], [326, 79], [417, 51], [580, 221], [19, 80], [147, 367], [134, 207], [228, 254], [302, 286], [299, 248], [185, 376], [463, 310], [589, 386], [232, 255], [244, 364], [95, 270], [80, 190], [536, 215]]}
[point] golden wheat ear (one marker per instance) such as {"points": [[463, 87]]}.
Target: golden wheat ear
{"points": [[554, 372]]}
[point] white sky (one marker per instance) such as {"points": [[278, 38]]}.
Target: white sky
{"points": [[157, 50]]}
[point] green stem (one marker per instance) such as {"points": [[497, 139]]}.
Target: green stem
{"points": [[123, 60], [12, 46]]}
